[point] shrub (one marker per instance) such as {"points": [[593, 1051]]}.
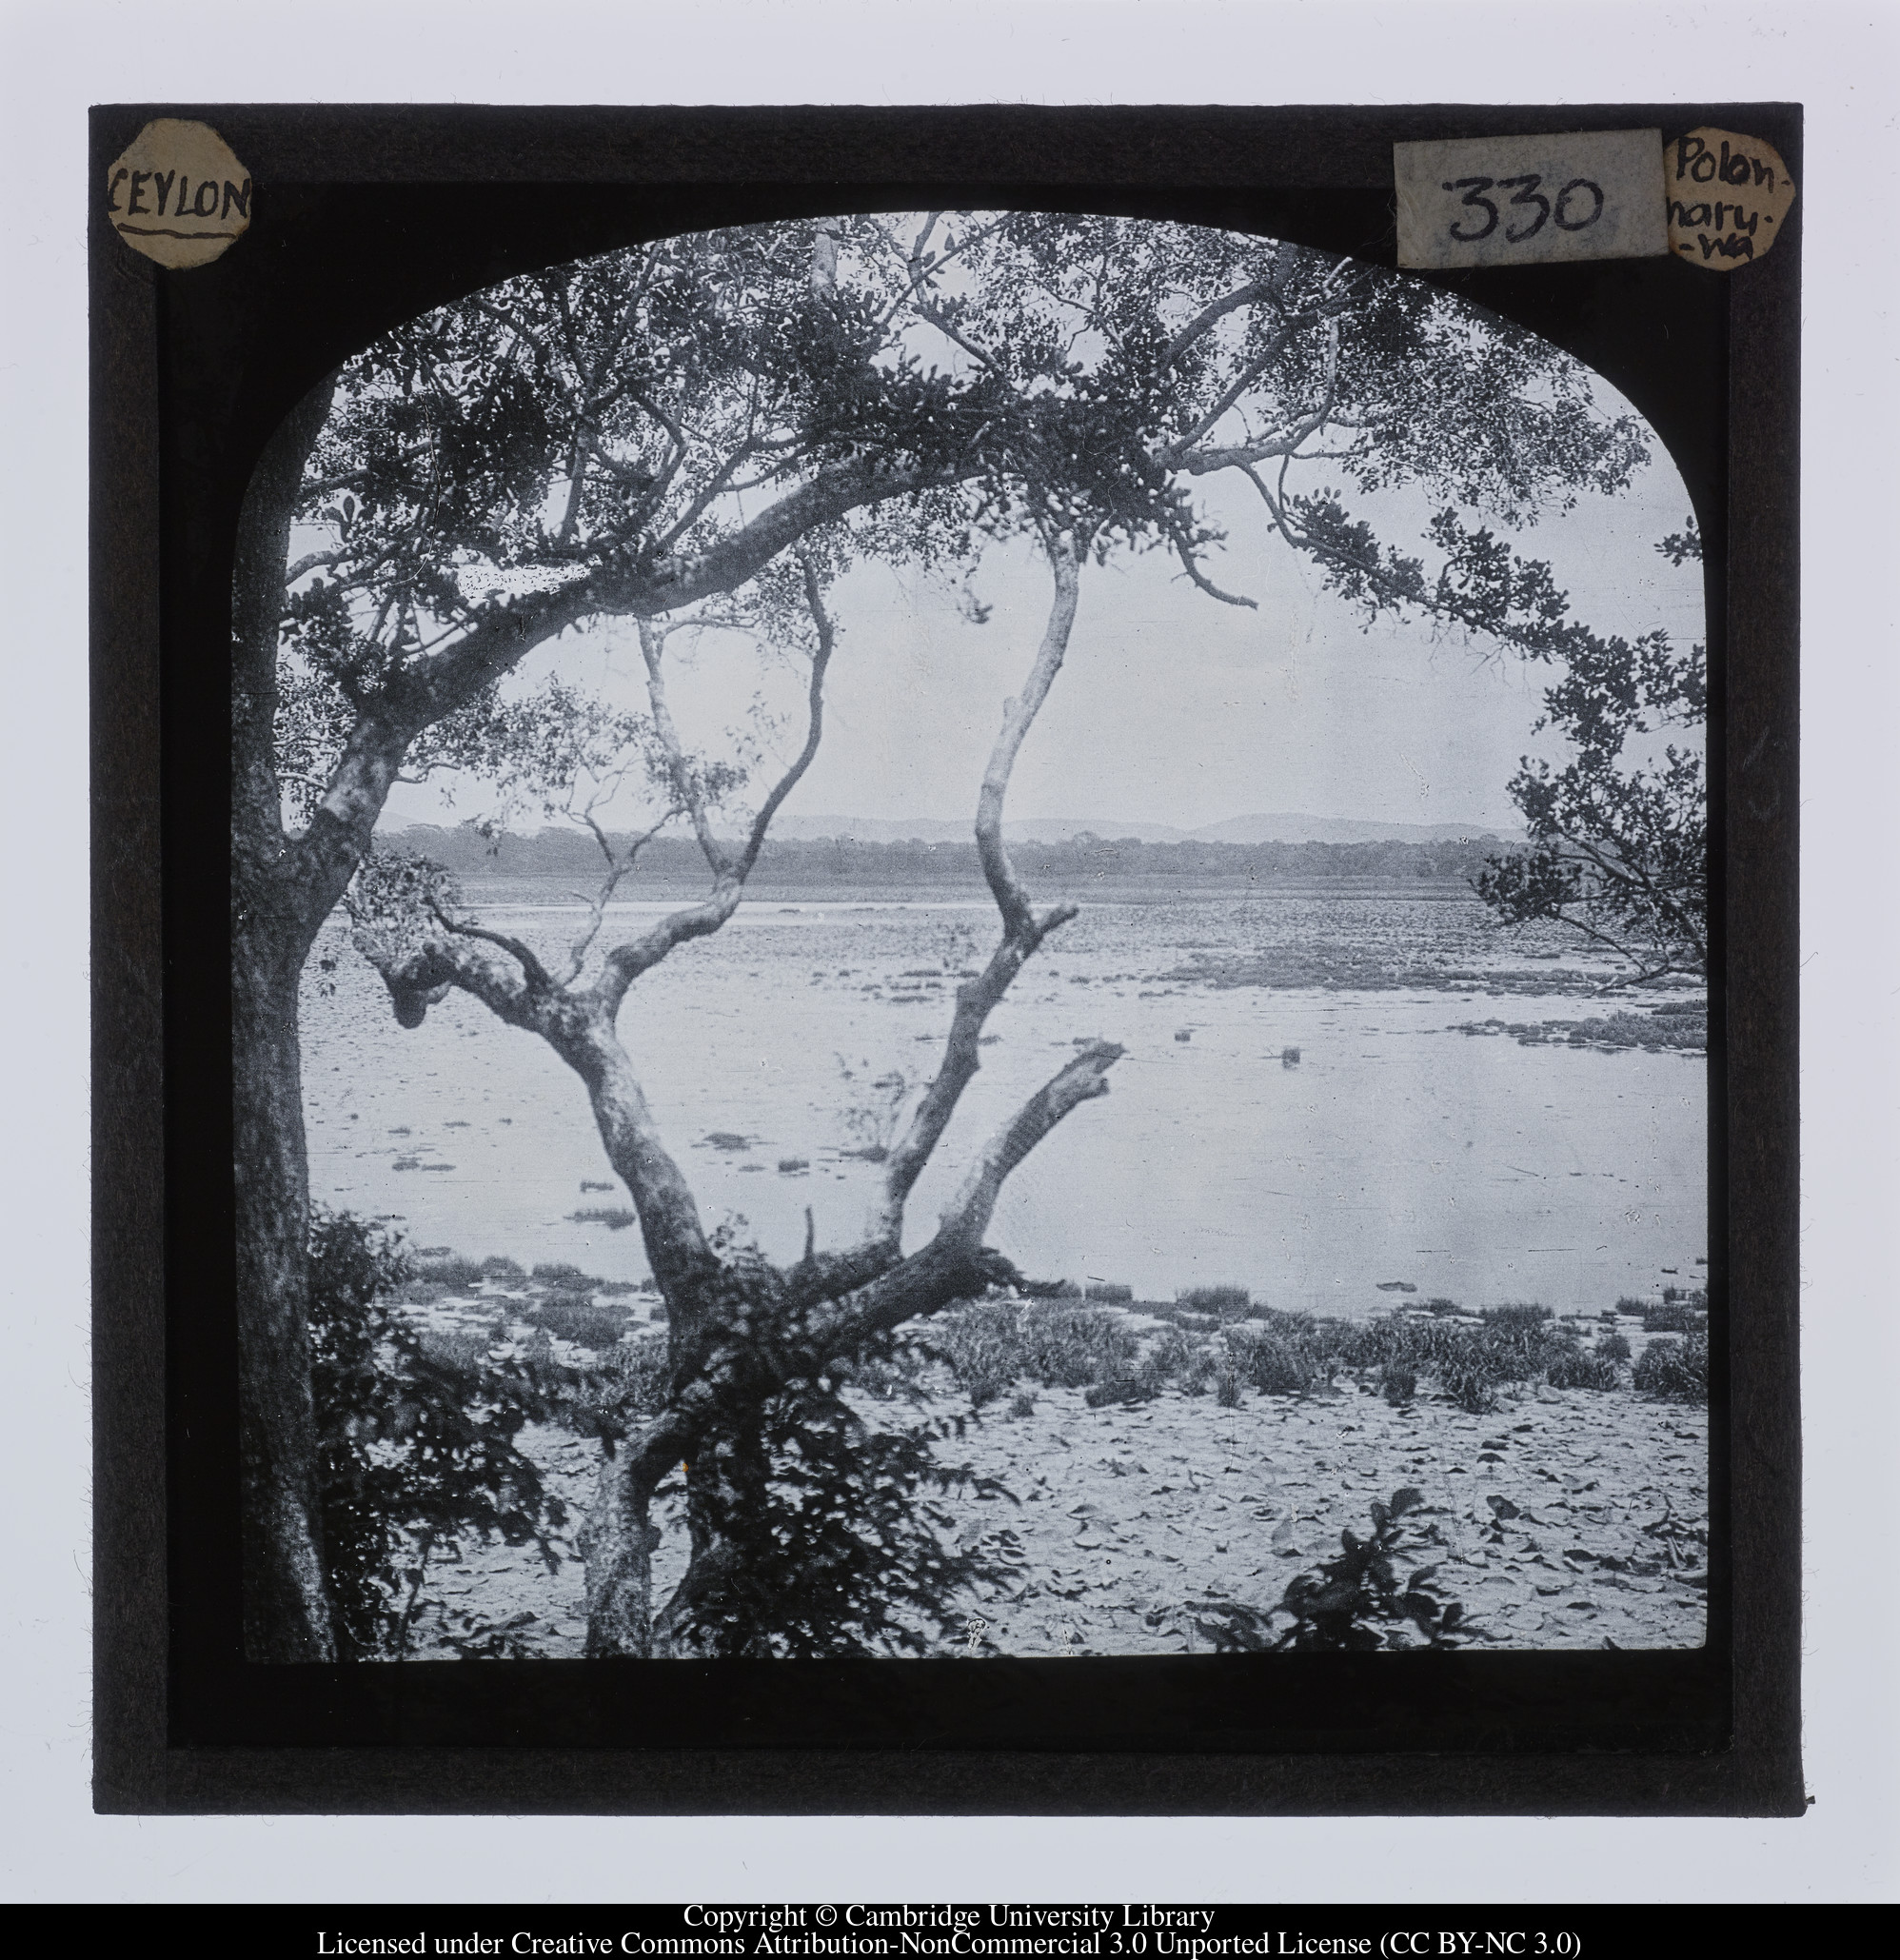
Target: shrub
{"points": [[1069, 1347], [454, 1271], [616, 1217], [1521, 1318], [1023, 1403], [1172, 1356], [1268, 1360], [839, 1545], [629, 1384], [1628, 1303], [1677, 1371], [1399, 1384], [888, 1368], [1674, 1316], [496, 1267], [982, 1345], [1613, 1347], [1215, 1299], [573, 1317], [1200, 1374], [1469, 1376], [459, 1355], [415, 1440], [1118, 1382], [1354, 1603], [560, 1273], [1227, 1382], [1584, 1368], [1440, 1306], [1107, 1295]]}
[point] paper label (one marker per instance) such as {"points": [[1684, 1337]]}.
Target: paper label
{"points": [[1531, 199], [1729, 198], [178, 194]]}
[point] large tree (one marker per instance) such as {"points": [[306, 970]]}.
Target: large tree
{"points": [[655, 429], [1618, 824]]}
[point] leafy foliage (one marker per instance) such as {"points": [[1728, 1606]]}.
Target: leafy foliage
{"points": [[1677, 1371], [1619, 841], [837, 1536], [1354, 1603], [416, 1440]]}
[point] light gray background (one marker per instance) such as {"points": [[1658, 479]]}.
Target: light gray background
{"points": [[56, 58]]}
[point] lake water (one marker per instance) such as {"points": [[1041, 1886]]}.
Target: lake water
{"points": [[1396, 1149]]}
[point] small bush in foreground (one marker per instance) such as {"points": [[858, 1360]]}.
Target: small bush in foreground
{"points": [[1398, 1384], [1677, 1371], [1354, 1603], [1613, 1347]]}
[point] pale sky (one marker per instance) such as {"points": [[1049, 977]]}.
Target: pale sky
{"points": [[1172, 709]]}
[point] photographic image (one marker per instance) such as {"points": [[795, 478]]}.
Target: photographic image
{"points": [[963, 934]]}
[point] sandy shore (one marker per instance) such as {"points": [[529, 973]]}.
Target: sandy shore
{"points": [[1564, 1520]]}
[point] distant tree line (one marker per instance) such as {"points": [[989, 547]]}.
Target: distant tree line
{"points": [[570, 853]]}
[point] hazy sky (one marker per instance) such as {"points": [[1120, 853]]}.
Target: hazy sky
{"points": [[1172, 709]]}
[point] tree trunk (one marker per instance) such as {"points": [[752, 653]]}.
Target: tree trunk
{"points": [[276, 909], [620, 1539], [287, 1608]]}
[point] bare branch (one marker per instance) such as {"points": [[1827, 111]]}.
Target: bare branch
{"points": [[685, 785], [531, 967], [814, 723], [1018, 716]]}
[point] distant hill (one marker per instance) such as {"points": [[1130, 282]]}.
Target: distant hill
{"points": [[1280, 827], [1284, 828]]}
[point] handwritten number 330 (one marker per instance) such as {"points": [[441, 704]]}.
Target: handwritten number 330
{"points": [[1560, 212]]}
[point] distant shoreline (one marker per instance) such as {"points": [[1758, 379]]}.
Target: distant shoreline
{"points": [[761, 895]]}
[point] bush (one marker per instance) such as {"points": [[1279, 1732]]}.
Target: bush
{"points": [[616, 1217], [1232, 1300], [629, 1384], [1468, 1376], [1269, 1361], [1677, 1371], [455, 1271], [1398, 1384], [838, 1545], [496, 1267], [1070, 1347], [560, 1273], [1356, 1602], [1022, 1404], [1584, 1368], [1674, 1316], [415, 1440], [1200, 1374], [1521, 1318], [1227, 1382], [1107, 1295], [982, 1345], [1612, 1347], [1117, 1382], [573, 1317]]}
